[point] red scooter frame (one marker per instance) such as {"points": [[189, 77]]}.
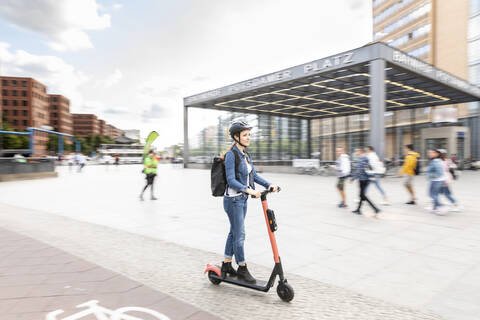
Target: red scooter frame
{"points": [[284, 290]]}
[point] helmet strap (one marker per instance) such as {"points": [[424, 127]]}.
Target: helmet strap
{"points": [[238, 141]]}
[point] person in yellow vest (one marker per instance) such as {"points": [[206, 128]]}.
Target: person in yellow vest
{"points": [[408, 171], [150, 164]]}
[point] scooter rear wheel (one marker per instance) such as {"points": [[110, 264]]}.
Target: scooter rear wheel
{"points": [[213, 280], [285, 291]]}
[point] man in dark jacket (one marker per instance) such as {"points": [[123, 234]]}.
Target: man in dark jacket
{"points": [[360, 173]]}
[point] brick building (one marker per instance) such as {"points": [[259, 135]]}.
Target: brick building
{"points": [[113, 132], [25, 103], [60, 116], [85, 124], [102, 127]]}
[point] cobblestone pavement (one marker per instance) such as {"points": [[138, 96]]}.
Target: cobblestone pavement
{"points": [[177, 270], [406, 257], [38, 281]]}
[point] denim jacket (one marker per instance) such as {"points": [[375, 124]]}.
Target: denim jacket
{"points": [[435, 170], [241, 183]]}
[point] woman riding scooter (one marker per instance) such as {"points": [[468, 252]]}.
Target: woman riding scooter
{"points": [[241, 183]]}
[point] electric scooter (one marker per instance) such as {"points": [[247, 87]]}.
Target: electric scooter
{"points": [[284, 290]]}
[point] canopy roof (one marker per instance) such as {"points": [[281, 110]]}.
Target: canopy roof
{"points": [[339, 85]]}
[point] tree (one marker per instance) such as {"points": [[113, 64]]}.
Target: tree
{"points": [[13, 141]]}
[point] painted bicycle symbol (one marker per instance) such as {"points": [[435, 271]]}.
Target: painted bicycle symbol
{"points": [[102, 313]]}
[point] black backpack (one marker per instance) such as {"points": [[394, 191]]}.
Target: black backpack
{"points": [[218, 176], [417, 167]]}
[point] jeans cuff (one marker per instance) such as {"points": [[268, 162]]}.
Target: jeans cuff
{"points": [[228, 257], [241, 263]]}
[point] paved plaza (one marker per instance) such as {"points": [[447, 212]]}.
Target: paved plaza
{"points": [[407, 264]]}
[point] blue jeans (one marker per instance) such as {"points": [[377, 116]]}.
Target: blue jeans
{"points": [[376, 181], [236, 209], [435, 188], [446, 191]]}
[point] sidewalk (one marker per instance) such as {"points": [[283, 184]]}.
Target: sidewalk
{"points": [[36, 279]]}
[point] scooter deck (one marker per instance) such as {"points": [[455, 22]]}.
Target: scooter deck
{"points": [[259, 285]]}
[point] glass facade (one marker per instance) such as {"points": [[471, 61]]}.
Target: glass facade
{"points": [[276, 140]]}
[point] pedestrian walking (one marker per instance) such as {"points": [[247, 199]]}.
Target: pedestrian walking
{"points": [[150, 164], [446, 188], [436, 176], [378, 169], [409, 170], [241, 178], [80, 159], [360, 173], [343, 168]]}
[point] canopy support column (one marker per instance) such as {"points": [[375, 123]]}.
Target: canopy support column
{"points": [[309, 138], [185, 137], [377, 106]]}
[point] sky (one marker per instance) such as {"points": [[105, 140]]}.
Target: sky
{"points": [[133, 62]]}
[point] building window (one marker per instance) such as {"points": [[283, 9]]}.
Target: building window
{"points": [[5, 112], [4, 93], [474, 51], [475, 74], [24, 93], [54, 99], [25, 123], [24, 83], [24, 103], [15, 103], [25, 113], [5, 102], [14, 83], [55, 114], [15, 112], [15, 122], [4, 83], [14, 93], [54, 107], [411, 16], [474, 7], [421, 51]]}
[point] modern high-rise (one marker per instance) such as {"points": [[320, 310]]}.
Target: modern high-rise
{"points": [[442, 33]]}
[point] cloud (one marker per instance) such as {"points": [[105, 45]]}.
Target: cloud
{"points": [[156, 112], [59, 76], [113, 78], [115, 111], [117, 6], [64, 22]]}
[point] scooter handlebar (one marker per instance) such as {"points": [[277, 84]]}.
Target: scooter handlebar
{"points": [[267, 191]]}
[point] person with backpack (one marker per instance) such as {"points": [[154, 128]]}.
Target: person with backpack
{"points": [[436, 176], [360, 173], [410, 168], [240, 177], [378, 169], [343, 168]]}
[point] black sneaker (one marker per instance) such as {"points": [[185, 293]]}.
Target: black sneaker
{"points": [[227, 269], [243, 274], [377, 211], [410, 202], [356, 212]]}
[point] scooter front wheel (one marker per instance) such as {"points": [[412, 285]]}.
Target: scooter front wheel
{"points": [[285, 291], [212, 279]]}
